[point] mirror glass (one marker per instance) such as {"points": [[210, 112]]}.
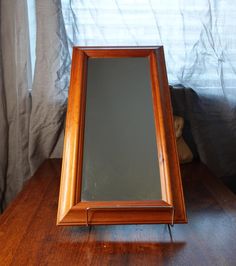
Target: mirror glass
{"points": [[120, 160]]}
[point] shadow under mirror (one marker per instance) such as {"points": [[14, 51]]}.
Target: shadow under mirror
{"points": [[120, 159], [125, 234]]}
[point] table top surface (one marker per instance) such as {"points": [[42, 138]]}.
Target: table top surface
{"points": [[29, 235]]}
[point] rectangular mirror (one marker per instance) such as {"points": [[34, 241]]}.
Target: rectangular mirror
{"points": [[120, 159], [120, 164]]}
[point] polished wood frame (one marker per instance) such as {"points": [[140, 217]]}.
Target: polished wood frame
{"points": [[71, 210]]}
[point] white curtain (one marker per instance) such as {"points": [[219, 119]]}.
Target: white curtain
{"points": [[50, 84], [199, 39], [200, 49], [198, 36]]}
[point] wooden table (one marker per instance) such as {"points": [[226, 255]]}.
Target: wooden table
{"points": [[29, 235]]}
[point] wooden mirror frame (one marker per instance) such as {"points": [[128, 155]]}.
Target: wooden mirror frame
{"points": [[71, 210]]}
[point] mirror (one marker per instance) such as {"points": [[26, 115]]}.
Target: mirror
{"points": [[120, 163], [120, 151]]}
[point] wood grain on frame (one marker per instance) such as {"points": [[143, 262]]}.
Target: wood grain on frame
{"points": [[71, 211]]}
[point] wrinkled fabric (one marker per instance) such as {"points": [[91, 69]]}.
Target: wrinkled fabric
{"points": [[15, 99], [200, 50], [212, 128], [50, 85], [3, 133], [31, 111]]}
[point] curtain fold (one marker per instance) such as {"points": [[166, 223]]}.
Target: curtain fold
{"points": [[50, 85], [3, 133], [15, 100], [31, 111]]}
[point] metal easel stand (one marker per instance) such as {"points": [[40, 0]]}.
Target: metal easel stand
{"points": [[171, 225], [132, 207]]}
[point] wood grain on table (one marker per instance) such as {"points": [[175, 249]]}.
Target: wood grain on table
{"points": [[29, 235]]}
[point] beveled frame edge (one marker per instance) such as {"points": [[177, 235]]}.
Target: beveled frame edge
{"points": [[69, 198], [157, 60]]}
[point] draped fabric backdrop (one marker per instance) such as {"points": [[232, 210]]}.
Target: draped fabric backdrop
{"points": [[33, 105], [199, 39], [15, 98]]}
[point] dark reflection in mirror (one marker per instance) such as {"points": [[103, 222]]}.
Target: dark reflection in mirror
{"points": [[120, 151]]}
